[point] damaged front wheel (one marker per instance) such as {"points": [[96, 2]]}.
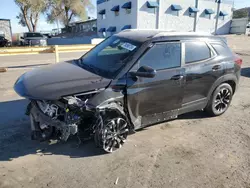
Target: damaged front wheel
{"points": [[112, 134]]}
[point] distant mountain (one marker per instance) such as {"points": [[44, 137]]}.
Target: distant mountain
{"points": [[242, 13]]}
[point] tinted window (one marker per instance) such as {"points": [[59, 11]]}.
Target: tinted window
{"points": [[196, 51], [222, 50], [163, 56]]}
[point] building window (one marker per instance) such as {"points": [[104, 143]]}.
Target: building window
{"points": [[112, 30], [176, 8], [127, 6], [103, 14], [209, 12], [128, 11], [126, 27], [103, 31], [193, 11], [223, 14], [116, 9], [100, 1], [152, 5]]}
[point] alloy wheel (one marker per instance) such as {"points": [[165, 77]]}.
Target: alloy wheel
{"points": [[115, 134], [222, 100]]}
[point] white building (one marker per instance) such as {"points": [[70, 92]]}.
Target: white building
{"points": [[171, 15], [5, 29]]}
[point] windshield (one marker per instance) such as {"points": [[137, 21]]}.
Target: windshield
{"points": [[34, 35], [109, 57]]}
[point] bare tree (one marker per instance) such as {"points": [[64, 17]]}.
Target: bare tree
{"points": [[65, 10], [30, 11]]}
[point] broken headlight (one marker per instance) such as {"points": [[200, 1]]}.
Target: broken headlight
{"points": [[80, 100]]}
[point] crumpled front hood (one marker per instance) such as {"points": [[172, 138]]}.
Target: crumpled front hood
{"points": [[54, 81]]}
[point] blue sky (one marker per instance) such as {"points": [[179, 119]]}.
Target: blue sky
{"points": [[9, 10]]}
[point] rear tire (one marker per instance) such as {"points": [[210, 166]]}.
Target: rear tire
{"points": [[220, 100]]}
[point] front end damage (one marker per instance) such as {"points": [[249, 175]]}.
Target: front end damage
{"points": [[75, 115]]}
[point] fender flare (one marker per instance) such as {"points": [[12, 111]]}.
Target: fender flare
{"points": [[222, 79]]}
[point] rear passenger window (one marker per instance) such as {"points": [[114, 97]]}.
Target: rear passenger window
{"points": [[196, 51], [163, 56], [222, 50]]}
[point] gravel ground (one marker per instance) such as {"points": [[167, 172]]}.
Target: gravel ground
{"points": [[192, 151]]}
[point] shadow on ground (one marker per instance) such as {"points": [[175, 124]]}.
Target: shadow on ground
{"points": [[12, 111], [25, 146], [245, 72], [15, 139]]}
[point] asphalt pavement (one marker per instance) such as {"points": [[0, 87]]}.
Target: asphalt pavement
{"points": [[194, 150]]}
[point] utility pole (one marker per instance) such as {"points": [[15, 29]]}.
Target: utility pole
{"points": [[196, 15], [58, 30], [218, 15], [158, 15]]}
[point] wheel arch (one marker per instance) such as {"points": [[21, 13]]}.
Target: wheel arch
{"points": [[232, 83], [230, 79]]}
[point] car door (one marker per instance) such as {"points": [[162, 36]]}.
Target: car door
{"points": [[151, 100], [202, 69]]}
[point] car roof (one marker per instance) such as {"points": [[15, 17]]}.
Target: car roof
{"points": [[143, 35]]}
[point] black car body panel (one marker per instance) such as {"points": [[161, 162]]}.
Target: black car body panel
{"points": [[58, 80], [144, 77]]}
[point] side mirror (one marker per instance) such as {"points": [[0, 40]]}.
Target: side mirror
{"points": [[145, 72], [22, 37]]}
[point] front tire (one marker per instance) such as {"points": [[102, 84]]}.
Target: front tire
{"points": [[112, 134], [220, 100]]}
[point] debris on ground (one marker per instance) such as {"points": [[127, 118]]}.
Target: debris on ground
{"points": [[117, 179]]}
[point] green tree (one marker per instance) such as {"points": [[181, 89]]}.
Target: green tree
{"points": [[30, 11], [242, 13], [65, 10]]}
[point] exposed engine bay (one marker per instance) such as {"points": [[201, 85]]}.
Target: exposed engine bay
{"points": [[74, 115]]}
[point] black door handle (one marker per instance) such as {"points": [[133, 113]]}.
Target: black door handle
{"points": [[216, 67], [177, 77]]}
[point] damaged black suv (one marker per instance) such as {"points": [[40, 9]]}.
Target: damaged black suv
{"points": [[131, 80]]}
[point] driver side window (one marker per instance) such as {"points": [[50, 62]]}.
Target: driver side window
{"points": [[162, 56]]}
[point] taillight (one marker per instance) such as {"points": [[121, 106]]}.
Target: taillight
{"points": [[238, 60]]}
